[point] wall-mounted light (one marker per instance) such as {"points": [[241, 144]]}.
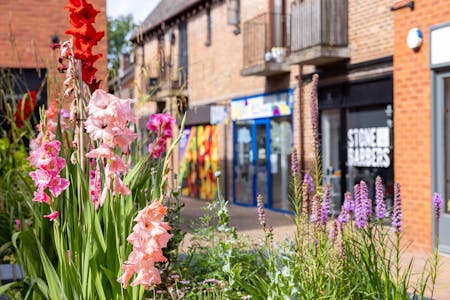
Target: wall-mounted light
{"points": [[414, 39]]}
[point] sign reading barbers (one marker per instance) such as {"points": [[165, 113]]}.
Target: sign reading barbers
{"points": [[368, 147]]}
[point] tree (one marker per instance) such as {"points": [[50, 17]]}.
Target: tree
{"points": [[118, 29]]}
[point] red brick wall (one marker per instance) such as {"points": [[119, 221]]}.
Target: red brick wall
{"points": [[26, 28], [412, 118]]}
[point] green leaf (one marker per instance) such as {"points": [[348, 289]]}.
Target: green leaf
{"points": [[54, 284], [6, 287]]}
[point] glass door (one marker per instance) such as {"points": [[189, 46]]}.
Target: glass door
{"points": [[251, 166], [243, 169], [262, 151], [441, 156]]}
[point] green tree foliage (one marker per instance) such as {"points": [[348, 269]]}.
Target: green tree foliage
{"points": [[118, 29]]}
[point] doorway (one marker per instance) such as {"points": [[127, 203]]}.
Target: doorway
{"points": [[261, 161], [441, 155]]}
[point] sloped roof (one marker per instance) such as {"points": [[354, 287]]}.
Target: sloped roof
{"points": [[165, 10]]}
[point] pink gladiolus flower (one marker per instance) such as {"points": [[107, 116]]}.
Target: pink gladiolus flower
{"points": [[161, 124], [95, 186], [117, 164], [44, 157], [119, 187], [41, 196], [108, 122], [41, 178], [57, 185], [54, 165], [52, 216], [148, 238], [52, 147], [101, 152]]}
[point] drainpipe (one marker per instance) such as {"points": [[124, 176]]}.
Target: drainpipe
{"points": [[302, 121]]}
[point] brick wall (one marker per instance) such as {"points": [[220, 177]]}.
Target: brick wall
{"points": [[370, 29], [412, 114], [27, 27]]}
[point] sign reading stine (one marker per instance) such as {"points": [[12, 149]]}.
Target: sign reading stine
{"points": [[368, 147]]}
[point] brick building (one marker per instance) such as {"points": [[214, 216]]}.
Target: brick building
{"points": [[255, 60], [26, 33], [421, 105]]}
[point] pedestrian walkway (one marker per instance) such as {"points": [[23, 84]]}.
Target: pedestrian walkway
{"points": [[246, 221]]}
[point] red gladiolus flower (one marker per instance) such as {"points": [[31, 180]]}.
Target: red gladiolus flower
{"points": [[83, 12], [82, 16], [25, 108]]}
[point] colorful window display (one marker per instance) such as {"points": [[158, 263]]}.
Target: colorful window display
{"points": [[198, 162]]}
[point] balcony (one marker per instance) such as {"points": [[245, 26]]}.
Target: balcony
{"points": [[266, 45], [319, 32]]}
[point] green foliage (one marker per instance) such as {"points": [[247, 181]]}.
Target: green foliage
{"points": [[118, 29], [15, 184]]}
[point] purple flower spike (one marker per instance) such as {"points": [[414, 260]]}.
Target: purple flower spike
{"points": [[360, 206], [325, 210], [346, 208], [365, 201], [310, 181], [397, 215], [294, 163], [333, 232], [437, 203], [315, 210], [261, 213], [380, 207], [314, 112]]}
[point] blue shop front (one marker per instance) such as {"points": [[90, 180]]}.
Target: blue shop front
{"points": [[262, 146]]}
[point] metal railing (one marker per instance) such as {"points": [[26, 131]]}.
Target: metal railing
{"points": [[266, 39]]}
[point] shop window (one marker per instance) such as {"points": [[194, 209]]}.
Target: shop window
{"points": [[370, 149], [280, 160], [331, 174]]}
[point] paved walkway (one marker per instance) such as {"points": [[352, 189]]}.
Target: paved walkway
{"points": [[246, 221]]}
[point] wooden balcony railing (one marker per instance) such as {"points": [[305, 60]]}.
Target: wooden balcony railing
{"points": [[319, 31]]}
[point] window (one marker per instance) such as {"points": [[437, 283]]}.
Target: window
{"points": [[182, 51]]}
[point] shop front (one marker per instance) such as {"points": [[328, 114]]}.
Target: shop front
{"points": [[440, 69], [357, 137], [198, 155], [262, 146]]}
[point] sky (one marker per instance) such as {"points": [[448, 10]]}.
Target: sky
{"points": [[139, 9]]}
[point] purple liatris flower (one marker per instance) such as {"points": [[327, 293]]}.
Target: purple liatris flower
{"points": [[366, 202], [349, 203], [333, 232], [397, 214], [325, 209], [346, 208], [437, 203], [294, 163], [380, 206], [315, 112], [261, 212], [360, 207], [310, 181], [315, 210]]}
